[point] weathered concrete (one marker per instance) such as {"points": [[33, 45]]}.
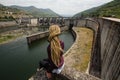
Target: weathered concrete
{"points": [[95, 62], [37, 36], [43, 21], [105, 59], [41, 75], [7, 24], [110, 48], [105, 54], [74, 56]]}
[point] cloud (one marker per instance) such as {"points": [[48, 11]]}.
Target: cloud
{"points": [[70, 7]]}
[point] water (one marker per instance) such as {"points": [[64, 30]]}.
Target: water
{"points": [[18, 61]]}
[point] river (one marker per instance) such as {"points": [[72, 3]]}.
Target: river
{"points": [[19, 61]]}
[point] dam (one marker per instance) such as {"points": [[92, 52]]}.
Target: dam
{"points": [[105, 58]]}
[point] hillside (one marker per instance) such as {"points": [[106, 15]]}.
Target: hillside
{"points": [[107, 10], [36, 12], [8, 13]]}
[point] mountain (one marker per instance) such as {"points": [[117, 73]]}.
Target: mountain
{"points": [[1, 5], [111, 9], [36, 12], [86, 12], [8, 13]]}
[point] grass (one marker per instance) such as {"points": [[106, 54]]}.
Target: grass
{"points": [[9, 36], [5, 38], [82, 56]]}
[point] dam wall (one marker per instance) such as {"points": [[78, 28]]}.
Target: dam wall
{"points": [[105, 55], [110, 48], [37, 36], [95, 62]]}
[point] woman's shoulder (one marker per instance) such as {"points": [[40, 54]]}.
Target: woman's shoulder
{"points": [[61, 42]]}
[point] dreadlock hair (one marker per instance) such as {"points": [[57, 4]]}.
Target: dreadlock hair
{"points": [[55, 46]]}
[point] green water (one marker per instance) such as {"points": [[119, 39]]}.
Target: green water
{"points": [[18, 61]]}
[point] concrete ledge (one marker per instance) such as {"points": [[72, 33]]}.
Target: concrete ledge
{"points": [[37, 36], [69, 71], [112, 19]]}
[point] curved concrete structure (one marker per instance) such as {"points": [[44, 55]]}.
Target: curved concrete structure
{"points": [[105, 54], [37, 36], [70, 72], [76, 56], [110, 48]]}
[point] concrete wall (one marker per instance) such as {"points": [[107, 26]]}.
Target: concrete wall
{"points": [[110, 48], [40, 35], [37, 36], [105, 55], [95, 62], [7, 24]]}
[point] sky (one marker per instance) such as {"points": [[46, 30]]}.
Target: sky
{"points": [[62, 7]]}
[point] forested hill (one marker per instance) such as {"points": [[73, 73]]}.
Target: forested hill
{"points": [[10, 13], [111, 9], [36, 12]]}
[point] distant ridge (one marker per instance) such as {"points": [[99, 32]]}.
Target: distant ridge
{"points": [[8, 13], [111, 9], [36, 12], [1, 5]]}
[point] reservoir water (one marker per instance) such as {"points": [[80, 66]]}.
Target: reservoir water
{"points": [[19, 61]]}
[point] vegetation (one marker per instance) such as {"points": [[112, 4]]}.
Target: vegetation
{"points": [[8, 14], [111, 9], [78, 56], [5, 38], [36, 12], [12, 12], [84, 50], [8, 36]]}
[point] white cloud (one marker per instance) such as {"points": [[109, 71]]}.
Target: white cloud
{"points": [[69, 7]]}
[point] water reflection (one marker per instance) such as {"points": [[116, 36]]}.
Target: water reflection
{"points": [[18, 61]]}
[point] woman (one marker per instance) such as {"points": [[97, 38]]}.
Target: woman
{"points": [[55, 52]]}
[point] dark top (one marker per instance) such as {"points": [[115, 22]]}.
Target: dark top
{"points": [[49, 56]]}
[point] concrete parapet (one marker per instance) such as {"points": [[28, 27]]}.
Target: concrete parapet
{"points": [[37, 36], [70, 60]]}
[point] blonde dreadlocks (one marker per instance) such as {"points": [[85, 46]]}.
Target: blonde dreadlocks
{"points": [[55, 45]]}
